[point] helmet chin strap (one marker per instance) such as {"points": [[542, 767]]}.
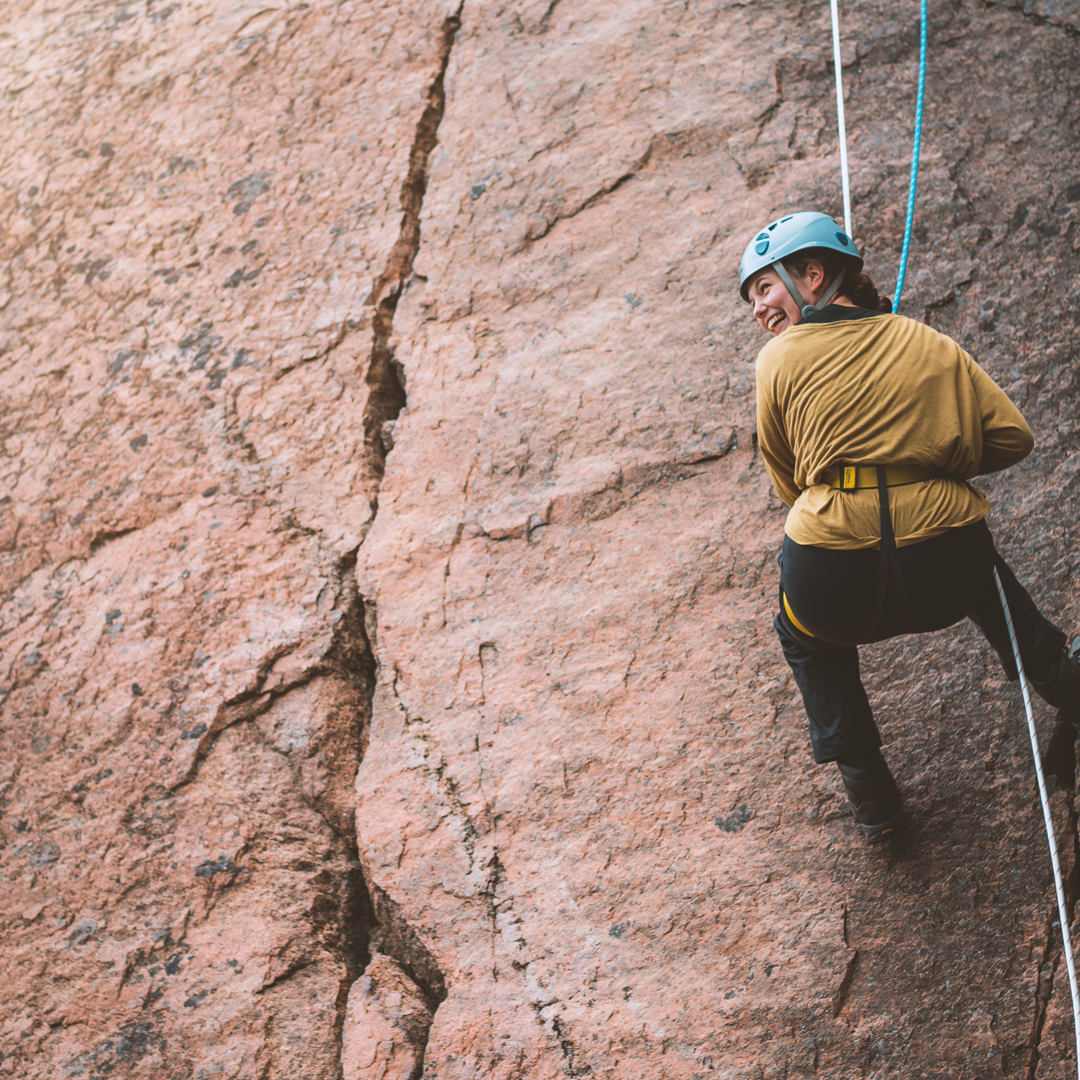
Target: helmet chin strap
{"points": [[807, 309]]}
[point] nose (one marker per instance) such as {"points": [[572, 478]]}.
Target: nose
{"points": [[760, 306]]}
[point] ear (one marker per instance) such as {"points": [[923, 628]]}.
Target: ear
{"points": [[815, 276]]}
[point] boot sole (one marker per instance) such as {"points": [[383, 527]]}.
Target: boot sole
{"points": [[874, 834]]}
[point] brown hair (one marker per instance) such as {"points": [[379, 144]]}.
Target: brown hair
{"points": [[860, 290]]}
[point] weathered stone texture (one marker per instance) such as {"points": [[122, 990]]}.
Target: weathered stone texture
{"points": [[201, 200], [388, 681]]}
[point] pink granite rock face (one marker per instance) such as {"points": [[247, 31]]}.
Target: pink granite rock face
{"points": [[388, 683], [202, 199]]}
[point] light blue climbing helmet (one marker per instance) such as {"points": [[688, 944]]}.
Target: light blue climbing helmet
{"points": [[788, 235]]}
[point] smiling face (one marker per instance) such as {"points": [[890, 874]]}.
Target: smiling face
{"points": [[774, 307]]}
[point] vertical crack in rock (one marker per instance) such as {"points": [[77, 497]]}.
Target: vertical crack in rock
{"points": [[845, 984], [339, 747], [555, 1028], [545, 19], [394, 937], [390, 1007], [341, 911], [569, 1051], [383, 954], [357, 920], [1059, 766], [1044, 987], [385, 376]]}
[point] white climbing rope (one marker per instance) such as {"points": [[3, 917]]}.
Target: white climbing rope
{"points": [[840, 124], [1063, 914]]}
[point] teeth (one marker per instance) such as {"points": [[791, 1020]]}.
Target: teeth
{"points": [[776, 320]]}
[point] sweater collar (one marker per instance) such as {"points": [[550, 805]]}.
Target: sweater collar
{"points": [[838, 313]]}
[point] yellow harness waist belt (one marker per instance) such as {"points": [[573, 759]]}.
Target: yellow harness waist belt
{"points": [[851, 477]]}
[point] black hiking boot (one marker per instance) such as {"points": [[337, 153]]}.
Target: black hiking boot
{"points": [[872, 792], [1061, 686]]}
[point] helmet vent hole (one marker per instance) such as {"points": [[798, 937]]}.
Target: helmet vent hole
{"points": [[792, 233]]}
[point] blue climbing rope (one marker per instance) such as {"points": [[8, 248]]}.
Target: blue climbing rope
{"points": [[914, 156]]}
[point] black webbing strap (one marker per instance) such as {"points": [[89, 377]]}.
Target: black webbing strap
{"points": [[889, 556]]}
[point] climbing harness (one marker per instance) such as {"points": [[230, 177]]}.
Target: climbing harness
{"points": [[841, 126], [853, 477], [1048, 821], [889, 555], [914, 156], [883, 477], [791, 615]]}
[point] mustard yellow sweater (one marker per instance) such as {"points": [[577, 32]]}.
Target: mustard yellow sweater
{"points": [[880, 390]]}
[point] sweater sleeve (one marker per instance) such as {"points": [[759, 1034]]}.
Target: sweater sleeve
{"points": [[773, 443], [1007, 438]]}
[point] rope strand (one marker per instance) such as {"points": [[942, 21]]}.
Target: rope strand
{"points": [[840, 123], [1063, 914], [914, 156]]}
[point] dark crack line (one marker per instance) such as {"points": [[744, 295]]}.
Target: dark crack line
{"points": [[349, 656], [294, 968], [386, 929], [595, 197], [563, 1038], [389, 285], [245, 706], [1044, 988], [845, 983], [385, 377], [437, 766], [545, 19]]}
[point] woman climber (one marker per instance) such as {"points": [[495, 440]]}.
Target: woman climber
{"points": [[871, 425]]}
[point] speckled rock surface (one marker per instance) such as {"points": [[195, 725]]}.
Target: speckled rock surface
{"points": [[389, 688], [201, 199]]}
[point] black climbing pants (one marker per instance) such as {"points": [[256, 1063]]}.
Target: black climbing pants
{"points": [[833, 596]]}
